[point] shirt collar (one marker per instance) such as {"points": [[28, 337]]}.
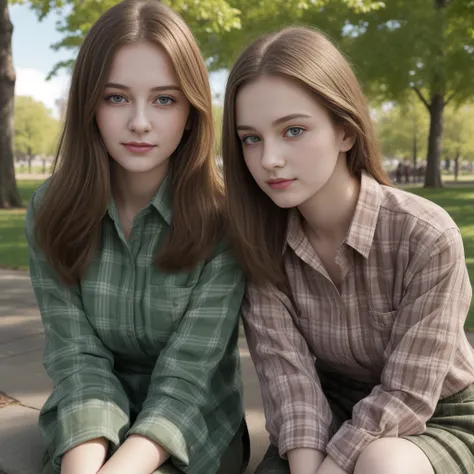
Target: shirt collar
{"points": [[161, 201], [362, 230], [364, 222]]}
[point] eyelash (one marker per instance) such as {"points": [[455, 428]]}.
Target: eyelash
{"points": [[286, 131], [108, 98]]}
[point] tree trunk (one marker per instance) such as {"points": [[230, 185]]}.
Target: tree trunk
{"points": [[433, 160], [9, 196], [415, 149], [30, 158], [415, 141], [456, 165]]}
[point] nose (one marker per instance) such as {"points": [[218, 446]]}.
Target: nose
{"points": [[272, 156], [139, 121]]}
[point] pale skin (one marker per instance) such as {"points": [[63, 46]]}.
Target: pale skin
{"points": [[143, 103], [286, 134]]}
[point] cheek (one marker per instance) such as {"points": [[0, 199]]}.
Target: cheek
{"points": [[105, 122], [174, 125], [251, 163]]}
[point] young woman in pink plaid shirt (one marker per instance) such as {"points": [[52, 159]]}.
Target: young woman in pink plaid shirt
{"points": [[358, 291]]}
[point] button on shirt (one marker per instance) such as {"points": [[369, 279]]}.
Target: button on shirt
{"points": [[395, 321], [131, 349]]}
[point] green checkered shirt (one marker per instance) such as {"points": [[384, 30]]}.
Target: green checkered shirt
{"points": [[131, 349]]}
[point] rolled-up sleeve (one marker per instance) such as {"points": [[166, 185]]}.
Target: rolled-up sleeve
{"points": [[88, 401], [181, 388], [424, 336], [296, 409]]}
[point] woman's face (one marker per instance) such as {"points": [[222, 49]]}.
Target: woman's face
{"points": [[144, 112], [290, 144]]}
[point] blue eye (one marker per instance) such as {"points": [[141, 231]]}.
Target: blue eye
{"points": [[115, 98], [294, 132], [165, 100], [250, 139]]}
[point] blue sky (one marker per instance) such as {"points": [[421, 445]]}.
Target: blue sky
{"points": [[33, 58]]}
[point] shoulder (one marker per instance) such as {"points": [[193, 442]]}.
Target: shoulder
{"points": [[420, 228], [39, 194], [36, 199], [414, 214], [222, 254]]}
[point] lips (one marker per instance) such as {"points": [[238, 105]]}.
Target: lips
{"points": [[138, 147], [280, 183]]}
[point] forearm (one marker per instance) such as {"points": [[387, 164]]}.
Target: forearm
{"points": [[86, 458], [305, 460], [329, 466], [138, 455]]}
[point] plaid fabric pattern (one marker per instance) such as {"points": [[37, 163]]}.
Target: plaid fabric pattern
{"points": [[448, 441], [396, 322], [131, 349]]}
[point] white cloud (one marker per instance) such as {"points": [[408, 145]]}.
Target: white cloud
{"points": [[32, 82]]}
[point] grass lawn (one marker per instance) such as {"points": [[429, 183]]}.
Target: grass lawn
{"points": [[13, 248], [457, 199]]}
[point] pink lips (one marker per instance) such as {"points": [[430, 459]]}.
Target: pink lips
{"points": [[280, 183], [138, 147]]}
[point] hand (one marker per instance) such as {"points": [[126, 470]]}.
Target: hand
{"points": [[329, 466]]}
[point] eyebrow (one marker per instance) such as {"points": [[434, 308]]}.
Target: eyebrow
{"points": [[279, 121], [114, 85]]}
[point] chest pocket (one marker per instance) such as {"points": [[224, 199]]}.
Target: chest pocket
{"points": [[381, 325], [167, 305], [382, 322]]}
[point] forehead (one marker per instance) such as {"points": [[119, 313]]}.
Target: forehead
{"points": [[142, 63], [271, 97]]}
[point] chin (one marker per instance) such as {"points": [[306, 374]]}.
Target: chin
{"points": [[140, 165], [285, 203]]}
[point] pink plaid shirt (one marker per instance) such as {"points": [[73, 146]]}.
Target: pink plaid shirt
{"points": [[396, 322]]}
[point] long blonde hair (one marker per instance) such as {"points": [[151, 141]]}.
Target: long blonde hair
{"points": [[68, 224], [257, 225]]}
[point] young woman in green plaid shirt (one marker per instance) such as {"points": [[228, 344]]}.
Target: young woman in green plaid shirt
{"points": [[139, 295]]}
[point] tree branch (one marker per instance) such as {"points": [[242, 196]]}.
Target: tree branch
{"points": [[420, 95], [450, 98]]}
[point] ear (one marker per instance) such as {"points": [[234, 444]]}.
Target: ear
{"points": [[348, 138]]}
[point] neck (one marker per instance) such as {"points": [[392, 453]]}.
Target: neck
{"points": [[133, 191], [328, 214]]}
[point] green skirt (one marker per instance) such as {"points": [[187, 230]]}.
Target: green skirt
{"points": [[448, 440]]}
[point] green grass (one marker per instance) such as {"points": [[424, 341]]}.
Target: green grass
{"points": [[457, 199], [13, 248]]}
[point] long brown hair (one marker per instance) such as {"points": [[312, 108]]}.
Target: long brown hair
{"points": [[258, 227], [68, 224]]}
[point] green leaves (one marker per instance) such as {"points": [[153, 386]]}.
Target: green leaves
{"points": [[401, 127], [36, 131]]}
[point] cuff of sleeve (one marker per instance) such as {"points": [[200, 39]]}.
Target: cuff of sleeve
{"points": [[166, 434], [347, 444], [90, 420], [301, 434]]}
